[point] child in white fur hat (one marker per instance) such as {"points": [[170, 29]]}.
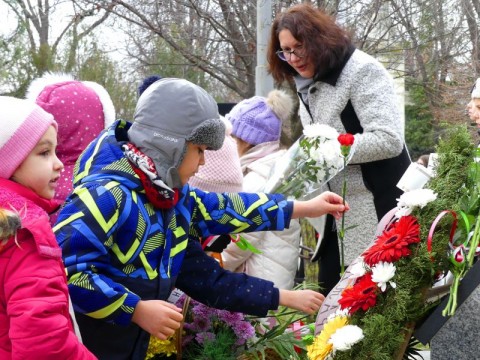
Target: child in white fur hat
{"points": [[34, 304]]}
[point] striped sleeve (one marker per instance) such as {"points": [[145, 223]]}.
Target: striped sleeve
{"points": [[85, 229], [228, 213]]}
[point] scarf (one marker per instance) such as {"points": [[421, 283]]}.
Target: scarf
{"points": [[157, 192], [302, 85], [258, 152]]}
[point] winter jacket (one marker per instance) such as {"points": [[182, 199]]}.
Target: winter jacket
{"points": [[360, 94], [34, 306], [278, 261], [119, 249]]}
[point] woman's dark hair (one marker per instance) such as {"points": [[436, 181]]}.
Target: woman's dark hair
{"points": [[423, 159], [323, 40]]}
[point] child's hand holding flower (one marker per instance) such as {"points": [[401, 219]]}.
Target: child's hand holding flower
{"points": [[325, 203]]}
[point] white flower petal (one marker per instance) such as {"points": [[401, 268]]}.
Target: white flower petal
{"points": [[382, 273], [416, 198], [358, 269], [345, 337]]}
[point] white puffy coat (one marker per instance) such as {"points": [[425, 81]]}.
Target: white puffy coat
{"points": [[280, 249]]}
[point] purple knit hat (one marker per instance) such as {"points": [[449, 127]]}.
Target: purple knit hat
{"points": [[258, 120], [22, 125]]}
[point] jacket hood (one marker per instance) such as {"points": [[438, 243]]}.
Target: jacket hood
{"points": [[104, 160], [170, 113]]}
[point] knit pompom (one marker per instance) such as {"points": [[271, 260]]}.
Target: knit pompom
{"points": [[147, 82], [280, 103]]}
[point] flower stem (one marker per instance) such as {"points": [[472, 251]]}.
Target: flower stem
{"points": [[342, 230], [474, 243]]}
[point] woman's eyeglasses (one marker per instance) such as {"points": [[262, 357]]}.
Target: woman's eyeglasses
{"points": [[286, 55]]}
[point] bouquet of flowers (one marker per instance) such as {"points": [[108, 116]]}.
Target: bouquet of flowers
{"points": [[207, 333], [212, 334], [386, 291], [314, 159], [283, 334]]}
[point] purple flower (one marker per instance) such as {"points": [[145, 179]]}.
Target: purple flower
{"points": [[201, 324], [187, 339], [230, 317], [202, 311], [204, 337], [244, 331]]}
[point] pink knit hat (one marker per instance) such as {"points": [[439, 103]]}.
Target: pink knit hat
{"points": [[81, 108], [222, 171], [22, 125]]}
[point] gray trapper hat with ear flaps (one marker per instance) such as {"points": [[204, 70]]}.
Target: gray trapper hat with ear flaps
{"points": [[169, 113]]}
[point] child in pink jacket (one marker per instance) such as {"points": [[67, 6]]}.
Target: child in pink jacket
{"points": [[82, 109], [34, 305]]}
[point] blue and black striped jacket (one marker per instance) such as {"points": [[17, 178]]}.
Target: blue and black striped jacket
{"points": [[118, 248]]}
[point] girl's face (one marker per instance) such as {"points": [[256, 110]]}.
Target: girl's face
{"points": [[41, 169], [475, 112], [302, 65], [242, 146], [194, 157], [470, 110]]}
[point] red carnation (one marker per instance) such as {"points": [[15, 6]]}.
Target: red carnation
{"points": [[362, 295], [394, 242], [346, 139]]}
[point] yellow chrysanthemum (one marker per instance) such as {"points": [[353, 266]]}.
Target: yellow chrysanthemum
{"points": [[157, 346], [321, 347]]}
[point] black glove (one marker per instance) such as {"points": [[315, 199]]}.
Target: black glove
{"points": [[218, 244]]}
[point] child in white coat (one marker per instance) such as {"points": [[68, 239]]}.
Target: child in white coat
{"points": [[256, 126]]}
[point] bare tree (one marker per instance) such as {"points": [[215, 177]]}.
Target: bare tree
{"points": [[471, 9], [37, 19], [217, 37]]}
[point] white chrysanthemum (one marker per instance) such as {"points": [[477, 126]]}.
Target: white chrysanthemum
{"points": [[344, 338], [317, 155], [338, 313], [382, 273], [358, 269], [320, 130], [412, 199], [418, 197], [321, 174], [332, 154], [403, 211]]}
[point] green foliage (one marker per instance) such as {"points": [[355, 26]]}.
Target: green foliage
{"points": [[419, 124], [165, 61], [16, 66], [221, 348], [276, 342], [455, 150], [386, 325], [99, 67]]}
